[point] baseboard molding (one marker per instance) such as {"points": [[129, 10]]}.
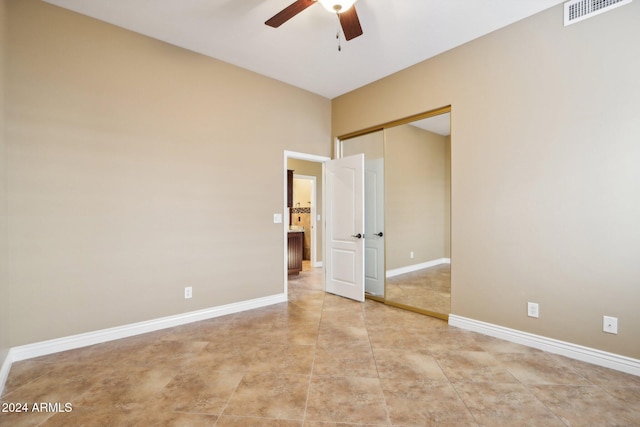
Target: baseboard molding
{"points": [[573, 351], [4, 371], [416, 267], [57, 345]]}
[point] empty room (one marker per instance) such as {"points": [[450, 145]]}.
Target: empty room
{"points": [[471, 239]]}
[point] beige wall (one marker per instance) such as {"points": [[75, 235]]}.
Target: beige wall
{"points": [[131, 164], [4, 288], [369, 144], [416, 196], [545, 155]]}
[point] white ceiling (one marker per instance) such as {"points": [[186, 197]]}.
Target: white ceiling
{"points": [[304, 51], [440, 124]]}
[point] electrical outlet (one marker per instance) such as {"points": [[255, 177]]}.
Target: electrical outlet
{"points": [[411, 254], [533, 309], [610, 324], [188, 292]]}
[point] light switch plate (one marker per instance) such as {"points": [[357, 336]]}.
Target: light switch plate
{"points": [[610, 324], [533, 310], [277, 218]]}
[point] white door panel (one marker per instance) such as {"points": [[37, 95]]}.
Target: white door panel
{"points": [[374, 226], [344, 215]]}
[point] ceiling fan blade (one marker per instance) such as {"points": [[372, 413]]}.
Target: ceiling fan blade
{"points": [[350, 23], [288, 12]]}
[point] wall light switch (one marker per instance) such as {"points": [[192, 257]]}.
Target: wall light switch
{"points": [[277, 218]]}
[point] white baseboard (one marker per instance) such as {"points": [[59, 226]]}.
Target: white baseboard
{"points": [[416, 267], [4, 371], [82, 340], [43, 348], [573, 351]]}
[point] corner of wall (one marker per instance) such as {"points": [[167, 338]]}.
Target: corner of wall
{"points": [[5, 361]]}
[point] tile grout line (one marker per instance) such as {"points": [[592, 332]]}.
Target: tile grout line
{"points": [[455, 389], [384, 397], [313, 363]]}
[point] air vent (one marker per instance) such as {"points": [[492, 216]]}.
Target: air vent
{"points": [[579, 10]]}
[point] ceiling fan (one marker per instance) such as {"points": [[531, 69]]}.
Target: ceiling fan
{"points": [[345, 9]]}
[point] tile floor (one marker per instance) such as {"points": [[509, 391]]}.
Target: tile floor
{"points": [[319, 361], [426, 289]]}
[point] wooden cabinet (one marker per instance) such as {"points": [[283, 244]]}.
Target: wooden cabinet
{"points": [[289, 188], [295, 247], [289, 192], [295, 240]]}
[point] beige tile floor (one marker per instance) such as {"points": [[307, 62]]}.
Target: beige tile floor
{"points": [[427, 289], [319, 361]]}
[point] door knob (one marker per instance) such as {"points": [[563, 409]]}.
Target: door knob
{"points": [[379, 234], [357, 236]]}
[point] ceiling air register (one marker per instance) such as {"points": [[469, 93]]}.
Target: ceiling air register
{"points": [[579, 10]]}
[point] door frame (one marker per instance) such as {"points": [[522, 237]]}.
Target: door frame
{"points": [[298, 156]]}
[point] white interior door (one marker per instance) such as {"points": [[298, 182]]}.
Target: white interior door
{"points": [[344, 231], [374, 227]]}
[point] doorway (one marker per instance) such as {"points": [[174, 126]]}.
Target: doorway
{"points": [[306, 166], [303, 215]]}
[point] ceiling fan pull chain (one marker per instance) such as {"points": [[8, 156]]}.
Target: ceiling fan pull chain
{"points": [[338, 32]]}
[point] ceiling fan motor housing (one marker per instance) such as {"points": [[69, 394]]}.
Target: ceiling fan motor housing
{"points": [[344, 9], [337, 6]]}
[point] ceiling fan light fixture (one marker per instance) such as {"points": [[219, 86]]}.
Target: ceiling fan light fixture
{"points": [[337, 6]]}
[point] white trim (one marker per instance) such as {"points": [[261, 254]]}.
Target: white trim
{"points": [[416, 267], [573, 351], [4, 371], [82, 340], [57, 345], [303, 156]]}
